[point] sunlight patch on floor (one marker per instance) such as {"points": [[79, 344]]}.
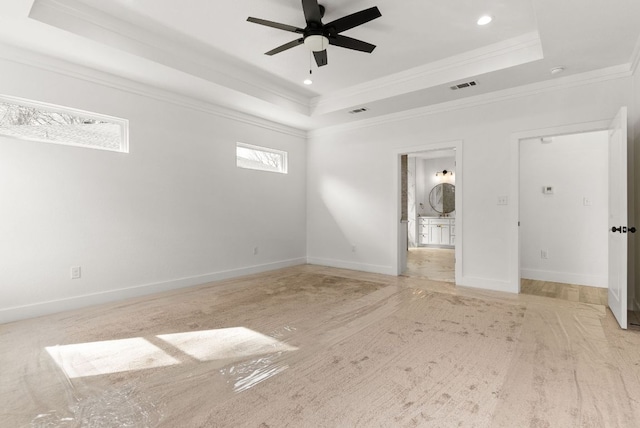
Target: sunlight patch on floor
{"points": [[111, 356], [224, 343], [122, 355]]}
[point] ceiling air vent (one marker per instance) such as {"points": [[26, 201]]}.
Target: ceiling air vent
{"points": [[464, 85], [359, 110]]}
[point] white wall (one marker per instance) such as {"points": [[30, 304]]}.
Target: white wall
{"points": [[574, 235], [351, 194], [176, 212], [173, 212]]}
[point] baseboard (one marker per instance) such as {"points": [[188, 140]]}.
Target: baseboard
{"points": [[487, 284], [565, 277], [362, 267], [77, 302]]}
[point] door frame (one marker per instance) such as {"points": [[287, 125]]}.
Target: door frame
{"points": [[514, 174], [398, 234]]}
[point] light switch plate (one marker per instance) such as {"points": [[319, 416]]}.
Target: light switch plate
{"points": [[76, 272]]}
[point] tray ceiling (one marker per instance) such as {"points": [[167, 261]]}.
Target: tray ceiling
{"points": [[209, 51]]}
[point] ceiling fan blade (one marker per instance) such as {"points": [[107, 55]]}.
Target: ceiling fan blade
{"points": [[349, 43], [277, 25], [347, 22], [321, 58], [284, 47], [312, 13]]}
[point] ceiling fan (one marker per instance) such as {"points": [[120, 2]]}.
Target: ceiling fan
{"points": [[317, 36]]}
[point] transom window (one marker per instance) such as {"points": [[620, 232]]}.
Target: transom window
{"points": [[35, 121], [261, 158]]}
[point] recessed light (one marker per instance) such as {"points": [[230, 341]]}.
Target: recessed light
{"points": [[557, 70], [308, 82], [485, 19]]}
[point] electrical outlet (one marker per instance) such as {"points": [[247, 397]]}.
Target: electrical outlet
{"points": [[587, 202], [544, 254], [76, 272], [503, 200], [255, 251]]}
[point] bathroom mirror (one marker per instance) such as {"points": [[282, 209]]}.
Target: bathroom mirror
{"points": [[442, 198]]}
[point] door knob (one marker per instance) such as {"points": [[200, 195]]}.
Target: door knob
{"points": [[632, 230], [616, 229]]}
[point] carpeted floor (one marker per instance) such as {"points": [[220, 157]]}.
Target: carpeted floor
{"points": [[320, 347]]}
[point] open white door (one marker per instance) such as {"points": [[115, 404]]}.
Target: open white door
{"points": [[618, 217]]}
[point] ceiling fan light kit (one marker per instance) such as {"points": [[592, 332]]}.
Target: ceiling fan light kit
{"points": [[317, 36], [316, 43]]}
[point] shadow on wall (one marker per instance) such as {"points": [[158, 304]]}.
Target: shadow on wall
{"points": [[354, 222]]}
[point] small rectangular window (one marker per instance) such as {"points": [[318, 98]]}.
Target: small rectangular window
{"points": [[261, 158], [35, 121]]}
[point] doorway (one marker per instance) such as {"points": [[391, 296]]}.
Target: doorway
{"points": [[564, 209], [429, 239], [620, 189]]}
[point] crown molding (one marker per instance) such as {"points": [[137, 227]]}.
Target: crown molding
{"points": [[40, 61], [635, 57], [602, 75], [176, 51], [508, 53], [37, 60]]}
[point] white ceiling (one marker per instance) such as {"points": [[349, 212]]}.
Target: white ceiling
{"points": [[209, 51]]}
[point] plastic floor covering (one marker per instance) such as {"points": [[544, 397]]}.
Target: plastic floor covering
{"points": [[320, 347]]}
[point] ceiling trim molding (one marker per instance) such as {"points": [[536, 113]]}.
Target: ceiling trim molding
{"points": [[602, 75], [508, 53], [635, 57], [177, 52], [40, 61]]}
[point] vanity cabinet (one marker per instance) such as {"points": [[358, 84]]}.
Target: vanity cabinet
{"points": [[436, 231]]}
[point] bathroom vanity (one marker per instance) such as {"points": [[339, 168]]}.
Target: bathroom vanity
{"points": [[436, 231]]}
